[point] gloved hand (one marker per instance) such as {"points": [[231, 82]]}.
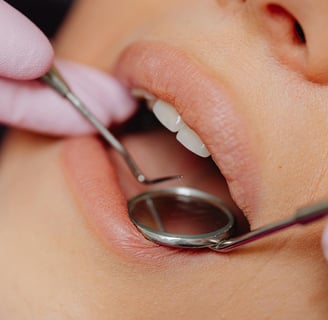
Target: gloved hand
{"points": [[26, 54]]}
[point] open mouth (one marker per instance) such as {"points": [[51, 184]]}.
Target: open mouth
{"points": [[197, 108], [213, 154]]}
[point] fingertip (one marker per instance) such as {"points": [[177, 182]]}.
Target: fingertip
{"points": [[27, 53], [35, 106]]}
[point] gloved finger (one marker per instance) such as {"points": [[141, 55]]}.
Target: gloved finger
{"points": [[325, 242], [25, 52], [34, 106]]}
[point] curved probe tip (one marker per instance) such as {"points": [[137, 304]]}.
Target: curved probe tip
{"points": [[144, 180]]}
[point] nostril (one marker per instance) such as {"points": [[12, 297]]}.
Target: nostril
{"points": [[294, 35], [288, 25], [299, 32]]}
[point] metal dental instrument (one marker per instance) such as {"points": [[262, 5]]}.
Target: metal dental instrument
{"points": [[188, 218], [183, 217], [55, 80]]}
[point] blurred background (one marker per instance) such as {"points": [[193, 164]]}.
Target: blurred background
{"points": [[46, 14]]}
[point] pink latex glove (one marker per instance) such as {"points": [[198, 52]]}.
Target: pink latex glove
{"points": [[26, 54]]}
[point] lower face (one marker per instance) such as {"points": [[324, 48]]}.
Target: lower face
{"points": [[70, 250]]}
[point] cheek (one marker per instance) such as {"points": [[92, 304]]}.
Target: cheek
{"points": [[287, 118], [286, 115], [51, 256]]}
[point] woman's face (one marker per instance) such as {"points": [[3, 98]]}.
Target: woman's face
{"points": [[250, 78]]}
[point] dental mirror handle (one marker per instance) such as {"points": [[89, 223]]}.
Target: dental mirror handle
{"points": [[302, 216], [54, 79]]}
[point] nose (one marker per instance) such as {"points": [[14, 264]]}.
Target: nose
{"points": [[298, 33]]}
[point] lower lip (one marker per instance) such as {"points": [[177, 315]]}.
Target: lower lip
{"points": [[93, 180]]}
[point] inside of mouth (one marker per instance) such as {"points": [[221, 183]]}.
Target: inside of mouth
{"points": [[157, 153], [143, 120]]}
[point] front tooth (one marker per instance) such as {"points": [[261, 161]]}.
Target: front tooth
{"points": [[141, 93], [190, 139], [168, 116]]}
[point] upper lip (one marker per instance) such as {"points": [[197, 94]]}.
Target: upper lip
{"points": [[175, 77]]}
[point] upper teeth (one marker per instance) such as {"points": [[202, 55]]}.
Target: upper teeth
{"points": [[170, 118]]}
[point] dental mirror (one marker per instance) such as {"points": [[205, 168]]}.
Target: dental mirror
{"points": [[188, 218]]}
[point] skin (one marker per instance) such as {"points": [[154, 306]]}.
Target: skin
{"points": [[57, 266]]}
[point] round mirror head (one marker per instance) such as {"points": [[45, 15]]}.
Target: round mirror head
{"points": [[181, 217]]}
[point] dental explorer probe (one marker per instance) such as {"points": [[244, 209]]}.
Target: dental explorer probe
{"points": [[56, 81]]}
